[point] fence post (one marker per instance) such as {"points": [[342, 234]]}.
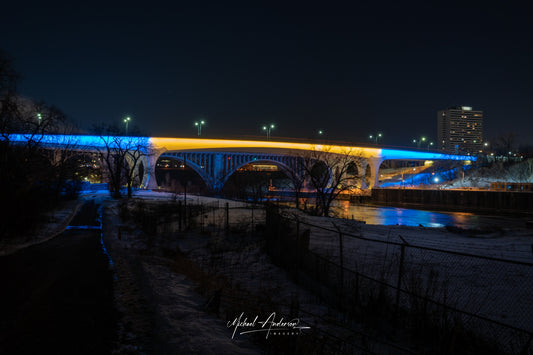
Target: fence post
{"points": [[341, 259], [227, 218], [298, 250], [400, 274], [252, 218], [180, 215], [202, 218]]}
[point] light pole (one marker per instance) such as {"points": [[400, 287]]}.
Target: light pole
{"points": [[268, 129], [127, 122], [419, 141], [430, 144], [199, 125], [39, 117], [375, 137]]}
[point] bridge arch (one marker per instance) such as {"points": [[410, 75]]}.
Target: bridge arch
{"points": [[255, 179], [283, 167], [178, 166]]}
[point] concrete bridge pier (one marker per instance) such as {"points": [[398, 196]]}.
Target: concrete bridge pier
{"points": [[361, 167], [150, 161], [216, 182], [374, 164]]}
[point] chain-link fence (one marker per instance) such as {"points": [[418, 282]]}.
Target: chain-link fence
{"points": [[452, 299], [180, 215]]}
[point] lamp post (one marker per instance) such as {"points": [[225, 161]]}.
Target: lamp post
{"points": [[430, 144], [39, 117], [199, 125], [419, 141], [485, 147], [268, 129], [375, 137], [127, 121]]}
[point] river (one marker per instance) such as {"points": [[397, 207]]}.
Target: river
{"points": [[411, 217]]}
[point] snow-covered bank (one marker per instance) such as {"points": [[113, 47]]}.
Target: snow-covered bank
{"points": [[237, 264], [161, 311]]}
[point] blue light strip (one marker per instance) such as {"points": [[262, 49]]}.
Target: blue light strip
{"points": [[406, 155], [94, 142]]}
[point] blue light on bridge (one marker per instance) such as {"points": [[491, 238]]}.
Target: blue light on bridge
{"points": [[406, 155], [95, 142]]}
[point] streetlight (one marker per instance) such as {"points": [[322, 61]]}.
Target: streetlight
{"points": [[268, 129], [419, 141], [39, 117], [199, 125], [429, 144], [320, 132], [127, 121], [375, 137]]}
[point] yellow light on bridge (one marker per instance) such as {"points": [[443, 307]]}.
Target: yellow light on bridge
{"points": [[199, 144]]}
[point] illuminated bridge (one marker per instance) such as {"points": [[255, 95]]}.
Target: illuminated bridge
{"points": [[215, 160]]}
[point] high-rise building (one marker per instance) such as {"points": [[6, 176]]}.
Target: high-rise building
{"points": [[460, 130]]}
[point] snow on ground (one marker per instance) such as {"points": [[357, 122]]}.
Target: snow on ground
{"points": [[494, 289], [181, 324], [501, 291], [191, 330], [238, 259]]}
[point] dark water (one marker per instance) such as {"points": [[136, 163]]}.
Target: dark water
{"points": [[411, 217]]}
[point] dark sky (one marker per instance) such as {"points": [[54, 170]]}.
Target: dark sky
{"points": [[350, 70]]}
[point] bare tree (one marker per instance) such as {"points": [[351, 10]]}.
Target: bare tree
{"points": [[328, 173], [136, 148], [27, 172], [8, 96], [521, 172], [121, 156], [505, 144], [297, 178]]}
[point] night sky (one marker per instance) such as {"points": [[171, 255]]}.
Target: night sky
{"points": [[348, 70]]}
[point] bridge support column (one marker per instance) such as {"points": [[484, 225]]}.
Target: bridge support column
{"points": [[374, 164], [217, 178], [149, 178], [361, 167]]}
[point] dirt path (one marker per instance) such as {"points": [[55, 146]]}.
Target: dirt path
{"points": [[57, 297]]}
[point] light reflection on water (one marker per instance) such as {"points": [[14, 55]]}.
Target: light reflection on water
{"points": [[409, 217]]}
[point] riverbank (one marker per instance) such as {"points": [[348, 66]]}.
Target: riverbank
{"points": [[473, 201]]}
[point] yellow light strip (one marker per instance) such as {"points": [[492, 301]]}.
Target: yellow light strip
{"points": [[192, 144]]}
